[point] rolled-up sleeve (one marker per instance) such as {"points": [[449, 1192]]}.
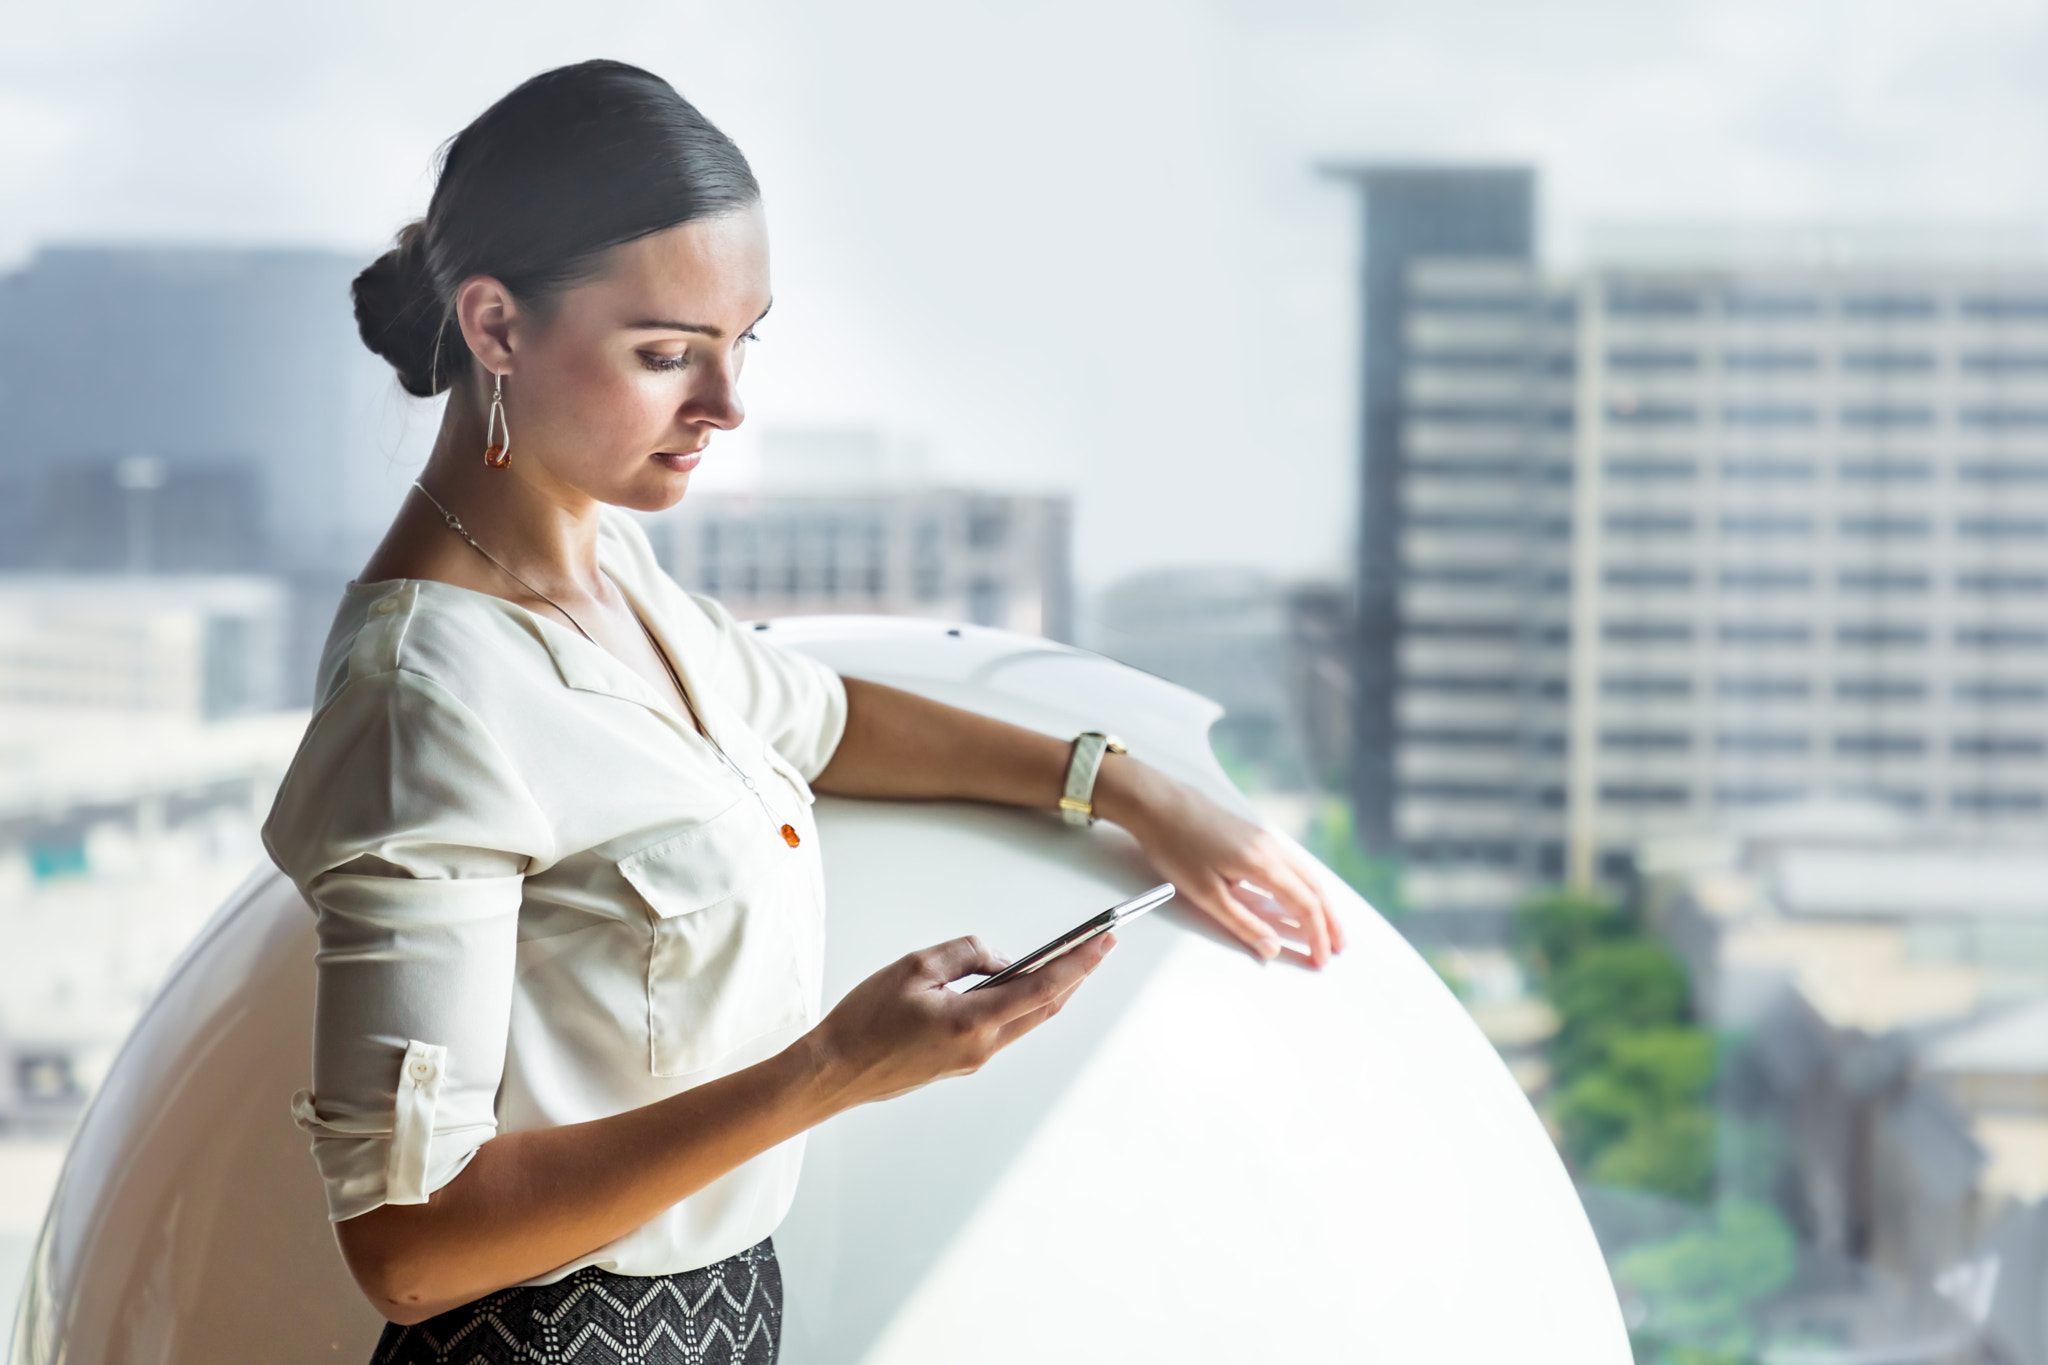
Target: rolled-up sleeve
{"points": [[409, 832]]}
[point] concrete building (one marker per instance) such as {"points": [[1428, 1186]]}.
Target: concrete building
{"points": [[1408, 213], [1674, 542], [830, 519], [1322, 657], [204, 646], [243, 428], [993, 559], [1218, 631], [1884, 993], [1277, 656]]}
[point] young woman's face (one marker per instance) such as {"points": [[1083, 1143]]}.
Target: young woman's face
{"points": [[618, 389]]}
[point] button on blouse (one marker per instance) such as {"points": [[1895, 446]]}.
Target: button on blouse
{"points": [[544, 897]]}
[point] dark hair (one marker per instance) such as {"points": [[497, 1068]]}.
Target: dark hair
{"points": [[570, 164]]}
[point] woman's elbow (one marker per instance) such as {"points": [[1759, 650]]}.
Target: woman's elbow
{"points": [[389, 1269]]}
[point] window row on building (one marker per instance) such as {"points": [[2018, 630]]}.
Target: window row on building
{"points": [[1678, 796], [1733, 686], [1740, 578], [1795, 578], [1630, 413], [1739, 304], [1663, 361], [1765, 469], [1747, 633], [1747, 740]]}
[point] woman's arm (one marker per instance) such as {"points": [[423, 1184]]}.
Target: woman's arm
{"points": [[528, 1202], [900, 745]]}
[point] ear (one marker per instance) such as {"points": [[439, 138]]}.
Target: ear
{"points": [[486, 311]]}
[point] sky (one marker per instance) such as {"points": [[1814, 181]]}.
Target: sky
{"points": [[1056, 246]]}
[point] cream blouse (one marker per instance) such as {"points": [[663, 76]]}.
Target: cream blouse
{"points": [[542, 896]]}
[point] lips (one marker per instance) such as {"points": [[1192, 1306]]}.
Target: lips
{"points": [[680, 462]]}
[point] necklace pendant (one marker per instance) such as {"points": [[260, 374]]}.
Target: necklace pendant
{"points": [[789, 836]]}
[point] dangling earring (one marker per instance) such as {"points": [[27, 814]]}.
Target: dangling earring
{"points": [[497, 450]]}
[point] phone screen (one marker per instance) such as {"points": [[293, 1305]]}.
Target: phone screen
{"points": [[1121, 913]]}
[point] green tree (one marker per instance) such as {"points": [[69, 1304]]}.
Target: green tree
{"points": [[1670, 1153], [1631, 1073], [1551, 929], [1670, 1066], [1609, 990], [1699, 1289], [1594, 1112], [1333, 838], [1643, 1081]]}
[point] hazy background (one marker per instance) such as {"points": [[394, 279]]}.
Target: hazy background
{"points": [[1083, 254], [1065, 246]]}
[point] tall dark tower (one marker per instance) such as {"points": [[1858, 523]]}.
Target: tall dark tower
{"points": [[1410, 213]]}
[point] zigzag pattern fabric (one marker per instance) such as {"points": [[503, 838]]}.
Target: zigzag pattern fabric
{"points": [[729, 1313]]}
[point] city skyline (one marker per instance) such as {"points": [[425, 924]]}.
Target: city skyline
{"points": [[1106, 266]]}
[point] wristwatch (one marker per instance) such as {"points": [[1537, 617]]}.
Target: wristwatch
{"points": [[1077, 805]]}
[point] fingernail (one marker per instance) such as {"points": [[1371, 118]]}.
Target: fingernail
{"points": [[1269, 948]]}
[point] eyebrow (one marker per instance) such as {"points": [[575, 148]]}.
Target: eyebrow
{"points": [[700, 328]]}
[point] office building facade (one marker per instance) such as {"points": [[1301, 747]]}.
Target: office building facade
{"points": [[989, 558], [1407, 212], [1672, 543], [1677, 543]]}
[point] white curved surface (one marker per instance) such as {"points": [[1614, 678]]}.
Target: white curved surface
{"points": [[1201, 1159]]}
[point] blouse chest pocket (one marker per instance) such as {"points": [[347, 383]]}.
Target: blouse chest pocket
{"points": [[722, 966]]}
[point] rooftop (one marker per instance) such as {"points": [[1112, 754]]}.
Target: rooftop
{"points": [[1911, 883]]}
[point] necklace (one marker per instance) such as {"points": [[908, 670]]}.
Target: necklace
{"points": [[455, 525], [788, 832]]}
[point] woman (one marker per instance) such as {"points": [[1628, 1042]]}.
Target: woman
{"points": [[553, 813]]}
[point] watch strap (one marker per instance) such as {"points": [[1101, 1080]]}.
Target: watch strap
{"points": [[1077, 803]]}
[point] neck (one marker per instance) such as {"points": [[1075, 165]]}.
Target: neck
{"points": [[544, 529]]}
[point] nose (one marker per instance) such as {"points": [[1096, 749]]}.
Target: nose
{"points": [[715, 399]]}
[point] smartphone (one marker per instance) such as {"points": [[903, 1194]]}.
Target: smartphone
{"points": [[1121, 913]]}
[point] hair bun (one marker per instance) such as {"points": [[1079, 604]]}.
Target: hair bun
{"points": [[533, 193], [400, 315]]}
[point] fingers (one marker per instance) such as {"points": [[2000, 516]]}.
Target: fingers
{"points": [[955, 958], [1052, 982], [1032, 1017], [1306, 905], [1218, 900], [1313, 879]]}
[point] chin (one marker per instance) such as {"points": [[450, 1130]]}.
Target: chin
{"points": [[653, 495]]}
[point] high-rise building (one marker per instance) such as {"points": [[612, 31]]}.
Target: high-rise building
{"points": [[1409, 212], [198, 410], [1672, 542]]}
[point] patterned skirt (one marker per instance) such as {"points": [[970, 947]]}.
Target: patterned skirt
{"points": [[729, 1313]]}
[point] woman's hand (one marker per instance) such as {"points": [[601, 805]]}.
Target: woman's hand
{"points": [[900, 746], [904, 1027], [1252, 883]]}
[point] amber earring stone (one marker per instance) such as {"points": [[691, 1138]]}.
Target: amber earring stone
{"points": [[497, 457]]}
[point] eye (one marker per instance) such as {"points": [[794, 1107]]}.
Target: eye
{"points": [[750, 335], [661, 364]]}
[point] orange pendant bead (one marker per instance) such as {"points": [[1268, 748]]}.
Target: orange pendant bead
{"points": [[496, 457], [789, 836]]}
